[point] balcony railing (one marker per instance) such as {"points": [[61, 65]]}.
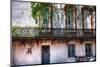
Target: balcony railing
{"points": [[53, 33]]}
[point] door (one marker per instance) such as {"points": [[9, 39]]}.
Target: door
{"points": [[45, 54]]}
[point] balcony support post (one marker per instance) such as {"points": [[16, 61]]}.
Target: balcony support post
{"points": [[83, 19], [91, 22], [75, 18]]}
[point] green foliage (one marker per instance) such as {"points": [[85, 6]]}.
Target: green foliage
{"points": [[24, 31], [38, 9], [14, 31]]}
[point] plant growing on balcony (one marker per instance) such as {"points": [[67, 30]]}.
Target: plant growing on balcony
{"points": [[24, 31], [14, 31], [41, 12]]}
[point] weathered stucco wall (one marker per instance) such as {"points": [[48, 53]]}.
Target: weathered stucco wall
{"points": [[21, 14], [58, 51], [21, 56]]}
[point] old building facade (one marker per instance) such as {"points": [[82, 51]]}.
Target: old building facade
{"points": [[69, 35]]}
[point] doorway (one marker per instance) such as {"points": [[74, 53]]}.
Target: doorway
{"points": [[45, 54]]}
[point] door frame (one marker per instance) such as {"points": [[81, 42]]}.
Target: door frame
{"points": [[48, 46]]}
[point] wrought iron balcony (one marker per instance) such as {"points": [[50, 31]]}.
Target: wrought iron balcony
{"points": [[53, 33]]}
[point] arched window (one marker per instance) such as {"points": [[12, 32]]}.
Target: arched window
{"points": [[88, 49], [71, 50]]}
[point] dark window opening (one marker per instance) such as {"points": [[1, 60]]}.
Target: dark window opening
{"points": [[29, 50], [88, 49], [71, 50]]}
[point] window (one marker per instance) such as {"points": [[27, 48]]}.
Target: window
{"points": [[58, 18], [71, 50], [87, 20], [29, 50], [88, 49], [69, 20], [45, 19]]}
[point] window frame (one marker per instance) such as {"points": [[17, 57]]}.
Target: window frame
{"points": [[71, 50], [88, 51]]}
